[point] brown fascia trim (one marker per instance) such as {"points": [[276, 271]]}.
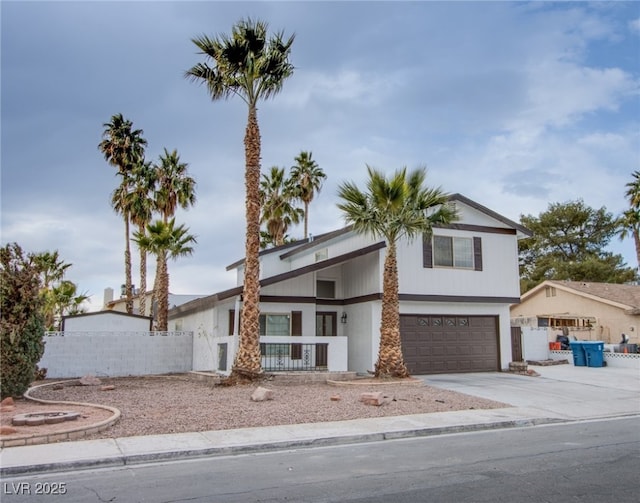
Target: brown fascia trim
{"points": [[491, 213], [316, 240], [458, 298], [478, 228], [108, 311], [287, 299], [267, 252], [211, 300], [301, 244], [409, 297]]}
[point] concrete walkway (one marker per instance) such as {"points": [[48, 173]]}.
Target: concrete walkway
{"points": [[561, 393]]}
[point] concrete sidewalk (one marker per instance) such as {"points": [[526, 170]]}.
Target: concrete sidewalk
{"points": [[561, 393]]}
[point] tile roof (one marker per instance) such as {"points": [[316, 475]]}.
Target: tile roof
{"points": [[628, 295]]}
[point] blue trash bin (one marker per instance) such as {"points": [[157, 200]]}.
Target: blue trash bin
{"points": [[594, 353], [579, 358]]}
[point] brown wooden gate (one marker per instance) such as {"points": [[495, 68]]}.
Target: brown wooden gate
{"points": [[516, 344]]}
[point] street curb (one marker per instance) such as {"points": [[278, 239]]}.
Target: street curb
{"points": [[136, 459]]}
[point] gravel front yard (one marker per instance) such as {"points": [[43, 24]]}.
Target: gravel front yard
{"points": [[176, 404]]}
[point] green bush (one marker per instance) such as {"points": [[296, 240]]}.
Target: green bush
{"points": [[21, 321]]}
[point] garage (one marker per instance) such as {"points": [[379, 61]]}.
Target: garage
{"points": [[436, 344]]}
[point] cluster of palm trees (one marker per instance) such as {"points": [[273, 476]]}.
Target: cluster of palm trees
{"points": [[148, 188], [60, 296], [630, 220], [279, 195]]}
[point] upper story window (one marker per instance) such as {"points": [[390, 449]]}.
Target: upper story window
{"points": [[325, 289], [455, 252], [322, 255], [452, 252]]}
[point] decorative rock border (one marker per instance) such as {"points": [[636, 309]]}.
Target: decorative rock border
{"points": [[46, 417], [73, 433], [409, 381]]}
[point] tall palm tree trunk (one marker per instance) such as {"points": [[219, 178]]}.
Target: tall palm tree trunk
{"points": [[636, 240], [306, 219], [143, 278], [127, 266], [390, 361], [247, 363], [163, 295]]}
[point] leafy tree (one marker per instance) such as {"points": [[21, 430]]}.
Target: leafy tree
{"points": [[253, 66], [123, 147], [21, 320], [393, 208], [307, 178], [629, 222], [165, 241], [568, 243], [276, 200]]}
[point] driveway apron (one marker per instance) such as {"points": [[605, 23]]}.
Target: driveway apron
{"points": [[562, 391]]}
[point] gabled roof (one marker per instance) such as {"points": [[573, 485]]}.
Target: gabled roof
{"points": [[302, 245], [626, 297], [211, 300], [491, 213]]}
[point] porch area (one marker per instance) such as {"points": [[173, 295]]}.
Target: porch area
{"points": [[282, 354]]}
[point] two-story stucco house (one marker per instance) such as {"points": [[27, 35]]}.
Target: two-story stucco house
{"points": [[320, 300]]}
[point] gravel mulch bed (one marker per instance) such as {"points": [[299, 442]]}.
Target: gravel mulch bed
{"points": [[176, 404]]}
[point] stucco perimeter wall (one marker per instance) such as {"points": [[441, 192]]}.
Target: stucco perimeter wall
{"points": [[116, 354]]}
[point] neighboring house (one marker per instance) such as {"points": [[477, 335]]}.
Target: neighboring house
{"points": [[121, 303], [591, 311], [106, 321], [320, 300]]}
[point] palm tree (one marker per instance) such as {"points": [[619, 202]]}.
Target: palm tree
{"points": [[165, 240], [394, 208], [123, 147], [140, 204], [252, 66], [66, 300], [278, 212], [174, 187], [52, 270], [50, 266], [630, 220], [307, 176]]}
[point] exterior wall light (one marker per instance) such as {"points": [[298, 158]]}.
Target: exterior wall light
{"points": [[343, 318]]}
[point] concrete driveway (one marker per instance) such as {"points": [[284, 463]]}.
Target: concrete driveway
{"points": [[561, 391]]}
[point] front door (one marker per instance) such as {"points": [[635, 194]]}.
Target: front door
{"points": [[326, 326]]}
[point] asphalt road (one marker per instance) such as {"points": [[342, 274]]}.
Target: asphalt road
{"points": [[584, 462]]}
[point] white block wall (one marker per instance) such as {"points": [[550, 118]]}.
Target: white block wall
{"points": [[116, 354]]}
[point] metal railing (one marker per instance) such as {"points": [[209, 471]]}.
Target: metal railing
{"points": [[110, 333], [286, 357]]}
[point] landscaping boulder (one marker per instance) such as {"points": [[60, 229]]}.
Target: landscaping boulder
{"points": [[261, 394], [376, 398], [90, 380]]}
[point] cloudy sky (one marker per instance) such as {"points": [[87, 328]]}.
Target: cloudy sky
{"points": [[514, 105]]}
